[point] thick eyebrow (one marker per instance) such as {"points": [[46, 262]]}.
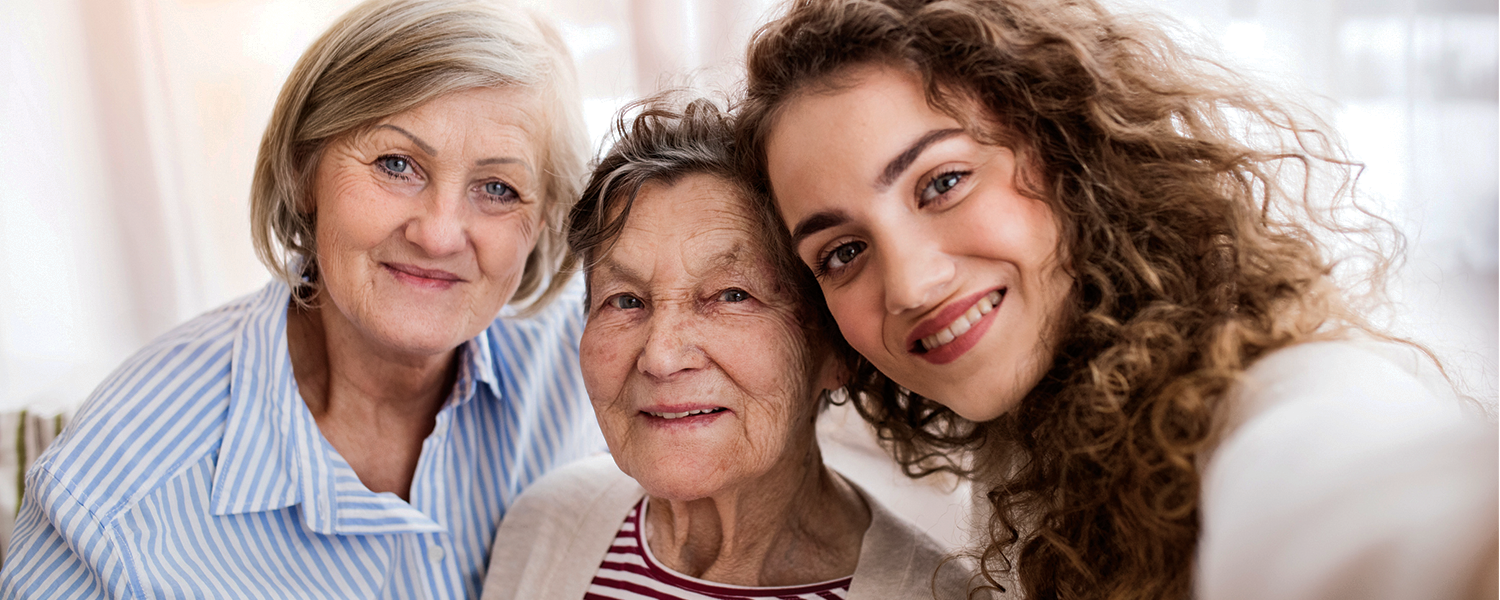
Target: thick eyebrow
{"points": [[817, 222], [904, 160], [414, 139], [504, 161]]}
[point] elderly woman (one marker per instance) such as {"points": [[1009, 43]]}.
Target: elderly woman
{"points": [[357, 428], [707, 364]]}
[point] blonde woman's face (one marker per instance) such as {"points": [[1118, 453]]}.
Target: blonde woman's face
{"points": [[937, 269], [425, 220]]}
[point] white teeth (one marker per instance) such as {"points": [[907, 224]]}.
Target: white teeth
{"points": [[946, 336], [679, 415], [964, 321]]}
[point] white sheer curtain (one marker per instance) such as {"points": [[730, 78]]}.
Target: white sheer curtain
{"points": [[131, 126], [1411, 85]]}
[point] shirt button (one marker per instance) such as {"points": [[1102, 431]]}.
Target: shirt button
{"points": [[435, 553]]}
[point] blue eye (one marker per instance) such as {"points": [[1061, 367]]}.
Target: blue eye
{"points": [[734, 295], [398, 166], [499, 192], [625, 302]]}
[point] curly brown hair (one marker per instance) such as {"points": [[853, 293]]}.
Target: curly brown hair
{"points": [[1187, 203]]}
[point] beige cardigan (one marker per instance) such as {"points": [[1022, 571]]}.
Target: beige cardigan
{"points": [[552, 539]]}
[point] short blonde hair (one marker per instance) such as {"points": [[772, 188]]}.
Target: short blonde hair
{"points": [[388, 56]]}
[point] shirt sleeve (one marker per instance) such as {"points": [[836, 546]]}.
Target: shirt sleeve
{"points": [[1351, 481], [59, 550]]}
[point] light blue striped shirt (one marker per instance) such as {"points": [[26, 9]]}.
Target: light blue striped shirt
{"points": [[196, 471]]}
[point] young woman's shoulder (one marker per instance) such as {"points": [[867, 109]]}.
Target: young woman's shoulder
{"points": [[1348, 466], [1359, 374]]}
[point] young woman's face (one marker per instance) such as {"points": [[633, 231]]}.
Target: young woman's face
{"points": [[937, 269]]}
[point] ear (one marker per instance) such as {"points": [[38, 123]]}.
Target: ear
{"points": [[832, 373]]}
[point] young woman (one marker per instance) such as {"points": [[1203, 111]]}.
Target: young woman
{"points": [[1071, 276]]}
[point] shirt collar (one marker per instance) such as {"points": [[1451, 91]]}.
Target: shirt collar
{"points": [[256, 468], [273, 454], [479, 363]]}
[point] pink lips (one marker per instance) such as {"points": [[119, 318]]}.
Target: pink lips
{"points": [[950, 351], [426, 278]]}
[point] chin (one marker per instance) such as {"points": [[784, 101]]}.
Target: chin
{"points": [[686, 492], [678, 482], [980, 410], [988, 400], [420, 337]]}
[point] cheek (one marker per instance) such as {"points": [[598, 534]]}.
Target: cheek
{"points": [[1057, 288], [771, 363], [858, 312], [503, 247], [347, 232], [605, 361], [346, 197]]}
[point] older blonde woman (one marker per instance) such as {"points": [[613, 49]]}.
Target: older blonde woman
{"points": [[707, 363], [357, 428]]}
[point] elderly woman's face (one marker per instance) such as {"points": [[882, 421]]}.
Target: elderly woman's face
{"points": [[425, 220], [694, 359]]}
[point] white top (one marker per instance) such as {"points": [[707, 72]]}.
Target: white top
{"points": [[1345, 476], [551, 542]]}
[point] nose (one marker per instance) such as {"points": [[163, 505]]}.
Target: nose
{"points": [[915, 277], [439, 227], [672, 347]]}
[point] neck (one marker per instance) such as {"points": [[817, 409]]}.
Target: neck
{"points": [[348, 368], [798, 524], [373, 405]]}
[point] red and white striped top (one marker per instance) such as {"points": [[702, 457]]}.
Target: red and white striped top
{"points": [[629, 572]]}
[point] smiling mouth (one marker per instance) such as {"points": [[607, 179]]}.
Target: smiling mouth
{"points": [[418, 272], [960, 325], [678, 415]]}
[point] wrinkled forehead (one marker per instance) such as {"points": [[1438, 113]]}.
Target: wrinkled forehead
{"points": [[694, 222], [701, 221]]}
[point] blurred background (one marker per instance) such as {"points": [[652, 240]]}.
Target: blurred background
{"points": [[130, 128]]}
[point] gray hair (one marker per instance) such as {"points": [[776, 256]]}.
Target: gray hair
{"points": [[388, 56], [670, 138], [665, 141]]}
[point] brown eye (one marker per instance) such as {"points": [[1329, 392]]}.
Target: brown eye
{"points": [[843, 255], [941, 184], [944, 183]]}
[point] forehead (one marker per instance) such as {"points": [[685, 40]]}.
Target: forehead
{"points": [[477, 118], [695, 225], [853, 127]]}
